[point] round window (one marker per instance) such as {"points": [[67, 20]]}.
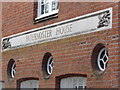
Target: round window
{"points": [[47, 65], [99, 59], [102, 59], [11, 68]]}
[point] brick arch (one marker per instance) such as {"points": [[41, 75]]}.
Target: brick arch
{"points": [[58, 78], [104, 42]]}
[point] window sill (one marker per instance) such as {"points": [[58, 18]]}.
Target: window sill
{"points": [[45, 18]]}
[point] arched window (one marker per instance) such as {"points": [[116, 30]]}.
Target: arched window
{"points": [[74, 81], [28, 83]]}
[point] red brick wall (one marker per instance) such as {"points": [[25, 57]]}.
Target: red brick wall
{"points": [[71, 55], [119, 45], [0, 41]]}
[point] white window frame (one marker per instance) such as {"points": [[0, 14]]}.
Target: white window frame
{"points": [[50, 12], [13, 70], [50, 65], [101, 59]]}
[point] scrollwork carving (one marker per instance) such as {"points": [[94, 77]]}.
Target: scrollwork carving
{"points": [[6, 43], [104, 19]]}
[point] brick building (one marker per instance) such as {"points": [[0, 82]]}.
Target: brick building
{"points": [[51, 44]]}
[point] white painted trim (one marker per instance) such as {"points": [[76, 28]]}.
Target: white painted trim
{"points": [[48, 14]]}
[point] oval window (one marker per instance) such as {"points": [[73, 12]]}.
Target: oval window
{"points": [[47, 65], [99, 59], [11, 68]]}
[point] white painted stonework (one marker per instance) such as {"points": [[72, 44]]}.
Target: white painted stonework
{"points": [[100, 20]]}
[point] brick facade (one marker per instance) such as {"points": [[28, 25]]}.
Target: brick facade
{"points": [[71, 55]]}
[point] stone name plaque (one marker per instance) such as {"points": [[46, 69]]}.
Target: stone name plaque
{"points": [[100, 20]]}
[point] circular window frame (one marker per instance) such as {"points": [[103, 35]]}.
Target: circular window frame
{"points": [[102, 63], [96, 59], [11, 69], [47, 65], [50, 65]]}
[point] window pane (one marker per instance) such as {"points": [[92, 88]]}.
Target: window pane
{"points": [[30, 84], [42, 7], [54, 4], [73, 82], [47, 6]]}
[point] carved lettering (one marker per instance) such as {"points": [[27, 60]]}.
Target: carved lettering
{"points": [[64, 29], [38, 36]]}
